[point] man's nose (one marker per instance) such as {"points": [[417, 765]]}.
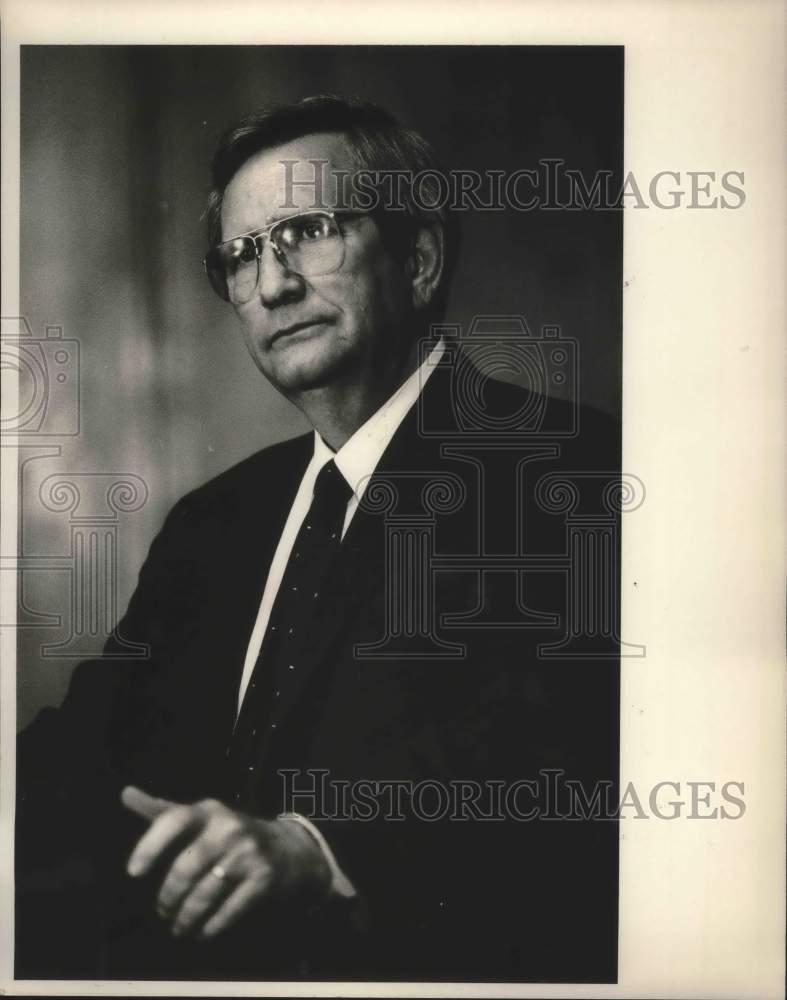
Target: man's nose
{"points": [[277, 284]]}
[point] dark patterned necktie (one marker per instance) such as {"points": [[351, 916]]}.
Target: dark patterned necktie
{"points": [[313, 552]]}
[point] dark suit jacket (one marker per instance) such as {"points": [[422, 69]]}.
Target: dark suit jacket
{"points": [[447, 900]]}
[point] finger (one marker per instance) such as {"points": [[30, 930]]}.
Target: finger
{"points": [[243, 865], [142, 804], [188, 868], [246, 896], [219, 835], [204, 899], [162, 833]]}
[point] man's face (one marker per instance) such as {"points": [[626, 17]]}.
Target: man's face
{"points": [[358, 316]]}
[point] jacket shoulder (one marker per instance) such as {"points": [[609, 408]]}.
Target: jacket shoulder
{"points": [[267, 472]]}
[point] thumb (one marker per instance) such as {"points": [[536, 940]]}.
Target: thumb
{"points": [[142, 804]]}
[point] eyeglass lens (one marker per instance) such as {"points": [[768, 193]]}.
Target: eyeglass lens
{"points": [[309, 245]]}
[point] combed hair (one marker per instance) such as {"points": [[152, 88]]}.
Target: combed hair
{"points": [[377, 142]]}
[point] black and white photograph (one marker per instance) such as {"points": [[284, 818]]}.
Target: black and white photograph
{"points": [[357, 593]]}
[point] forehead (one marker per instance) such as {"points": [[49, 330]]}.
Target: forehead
{"points": [[282, 180]]}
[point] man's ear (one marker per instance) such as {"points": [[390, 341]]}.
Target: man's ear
{"points": [[426, 264]]}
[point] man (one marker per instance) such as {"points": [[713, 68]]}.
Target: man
{"points": [[298, 640]]}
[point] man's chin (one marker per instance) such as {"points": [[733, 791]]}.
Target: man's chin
{"points": [[296, 371]]}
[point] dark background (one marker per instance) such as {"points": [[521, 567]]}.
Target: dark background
{"points": [[116, 144]]}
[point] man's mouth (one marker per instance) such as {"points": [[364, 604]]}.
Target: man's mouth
{"points": [[287, 331]]}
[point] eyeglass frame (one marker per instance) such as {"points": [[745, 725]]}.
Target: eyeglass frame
{"points": [[257, 235]]}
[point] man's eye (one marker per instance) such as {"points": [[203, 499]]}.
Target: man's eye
{"points": [[313, 231], [238, 254], [245, 253], [305, 231]]}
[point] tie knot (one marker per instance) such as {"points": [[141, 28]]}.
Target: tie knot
{"points": [[331, 486]]}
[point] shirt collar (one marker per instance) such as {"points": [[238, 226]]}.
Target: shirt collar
{"points": [[360, 454]]}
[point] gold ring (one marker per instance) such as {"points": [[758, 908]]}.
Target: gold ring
{"points": [[218, 872]]}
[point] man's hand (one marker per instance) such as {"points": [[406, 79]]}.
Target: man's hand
{"points": [[221, 863]]}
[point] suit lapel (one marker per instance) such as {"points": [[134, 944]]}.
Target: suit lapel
{"points": [[358, 574], [246, 531]]}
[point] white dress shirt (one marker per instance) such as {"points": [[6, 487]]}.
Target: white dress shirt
{"points": [[356, 460]]}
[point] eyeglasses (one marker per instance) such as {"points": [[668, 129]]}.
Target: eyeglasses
{"points": [[308, 244]]}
